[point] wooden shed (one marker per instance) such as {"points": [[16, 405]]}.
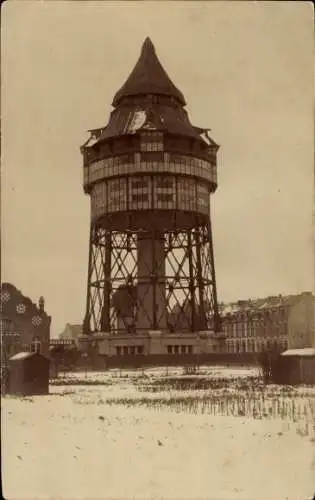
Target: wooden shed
{"points": [[28, 374], [298, 366]]}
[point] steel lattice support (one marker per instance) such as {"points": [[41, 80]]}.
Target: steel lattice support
{"points": [[148, 280]]}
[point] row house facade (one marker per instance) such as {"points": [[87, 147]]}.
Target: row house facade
{"points": [[277, 322]]}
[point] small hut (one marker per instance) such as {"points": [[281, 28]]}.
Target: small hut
{"points": [[298, 366], [28, 374]]}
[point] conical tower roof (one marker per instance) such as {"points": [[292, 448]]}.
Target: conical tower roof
{"points": [[148, 77]]}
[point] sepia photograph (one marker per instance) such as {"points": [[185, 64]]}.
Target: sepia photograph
{"points": [[157, 250]]}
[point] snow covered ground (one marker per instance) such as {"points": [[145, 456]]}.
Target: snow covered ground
{"points": [[72, 444], [161, 371]]}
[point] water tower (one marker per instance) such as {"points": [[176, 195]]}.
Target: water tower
{"points": [[150, 173]]}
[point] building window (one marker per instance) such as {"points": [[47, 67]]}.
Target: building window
{"points": [[140, 349], [125, 350], [169, 349], [282, 314], [118, 350], [6, 325], [190, 349], [234, 329], [36, 345]]}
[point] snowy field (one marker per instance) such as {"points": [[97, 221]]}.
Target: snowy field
{"points": [[213, 371], [160, 434]]}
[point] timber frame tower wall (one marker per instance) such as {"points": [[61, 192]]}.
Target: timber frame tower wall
{"points": [[149, 174]]}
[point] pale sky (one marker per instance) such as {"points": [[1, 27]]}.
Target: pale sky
{"points": [[246, 70]]}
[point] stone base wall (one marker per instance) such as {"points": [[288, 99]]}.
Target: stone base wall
{"points": [[152, 343]]}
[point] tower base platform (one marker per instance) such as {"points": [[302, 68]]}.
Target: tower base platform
{"points": [[153, 342]]}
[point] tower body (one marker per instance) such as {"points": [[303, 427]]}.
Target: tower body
{"points": [[150, 174]]}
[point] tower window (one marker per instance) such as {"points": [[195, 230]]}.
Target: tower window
{"points": [[164, 183], [165, 197], [138, 184], [140, 197], [155, 154]]}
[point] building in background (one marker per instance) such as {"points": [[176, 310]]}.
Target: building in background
{"points": [[275, 322], [248, 326], [25, 326], [69, 335]]}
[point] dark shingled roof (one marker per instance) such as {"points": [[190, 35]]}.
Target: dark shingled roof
{"points": [[167, 118], [148, 77]]}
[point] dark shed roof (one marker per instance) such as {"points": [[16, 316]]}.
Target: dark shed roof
{"points": [[148, 77], [22, 355], [304, 352]]}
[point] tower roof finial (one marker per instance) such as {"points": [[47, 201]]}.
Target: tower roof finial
{"points": [[148, 77], [147, 41]]}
